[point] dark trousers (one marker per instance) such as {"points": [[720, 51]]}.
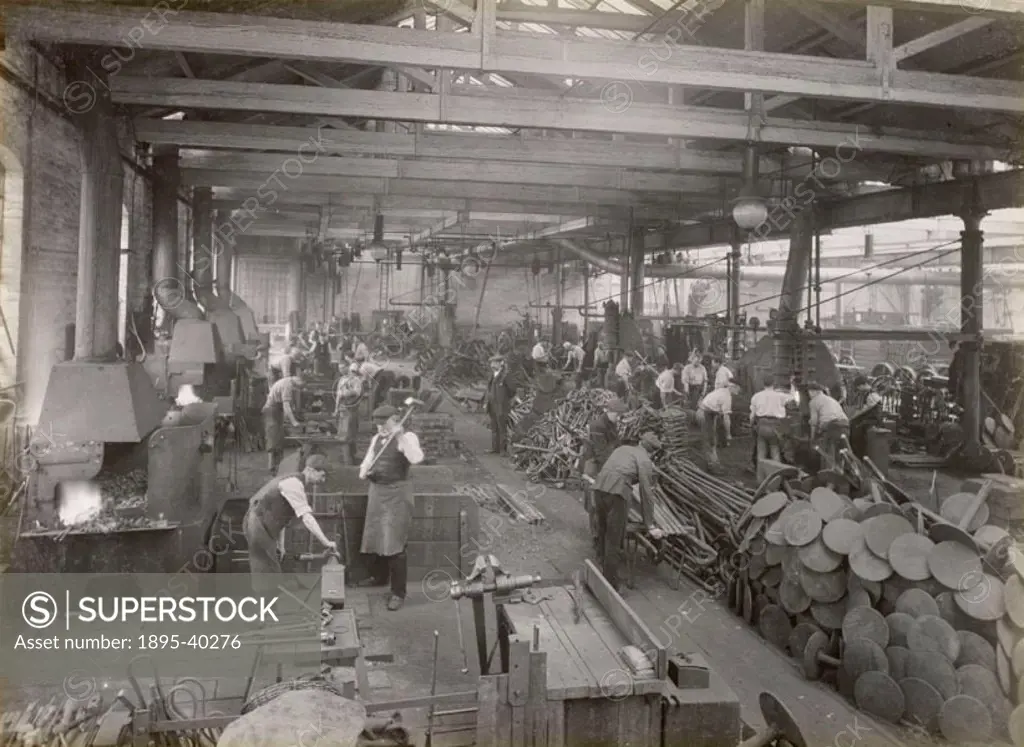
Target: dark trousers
{"points": [[611, 528], [499, 431], [393, 567], [859, 434]]}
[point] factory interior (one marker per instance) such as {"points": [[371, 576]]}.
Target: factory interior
{"points": [[625, 372]]}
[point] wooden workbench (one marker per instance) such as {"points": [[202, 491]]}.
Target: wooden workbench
{"points": [[573, 687]]}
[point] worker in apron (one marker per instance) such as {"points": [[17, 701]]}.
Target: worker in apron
{"points": [[347, 396], [865, 412], [274, 506], [613, 494], [604, 439], [281, 406], [501, 390], [390, 504]]}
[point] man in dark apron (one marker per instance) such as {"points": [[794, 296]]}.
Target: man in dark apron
{"points": [[604, 439], [282, 403], [865, 409], [347, 396], [389, 508], [276, 505], [501, 391]]}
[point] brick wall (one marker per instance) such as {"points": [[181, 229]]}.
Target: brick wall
{"points": [[46, 146], [39, 296]]}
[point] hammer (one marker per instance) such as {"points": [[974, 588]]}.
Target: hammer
{"points": [[410, 404]]}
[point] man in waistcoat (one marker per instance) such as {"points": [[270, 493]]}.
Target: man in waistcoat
{"points": [[389, 508], [276, 505], [282, 405]]}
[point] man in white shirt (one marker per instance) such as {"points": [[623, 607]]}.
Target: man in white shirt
{"points": [[620, 380], [539, 352], [389, 507], [276, 505], [695, 381], [828, 421], [285, 365], [360, 351], [282, 404], [574, 357], [767, 416], [723, 375], [347, 396], [666, 383], [714, 413]]}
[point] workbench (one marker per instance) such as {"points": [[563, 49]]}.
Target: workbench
{"points": [[565, 683]]}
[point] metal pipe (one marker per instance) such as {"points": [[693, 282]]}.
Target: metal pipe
{"points": [[165, 218], [828, 274]]}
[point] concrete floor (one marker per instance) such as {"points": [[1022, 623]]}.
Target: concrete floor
{"points": [[554, 550]]}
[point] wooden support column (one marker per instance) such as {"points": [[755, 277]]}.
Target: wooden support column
{"points": [[787, 331], [167, 278], [971, 318], [636, 271], [99, 232], [480, 300], [295, 289], [879, 46], [624, 276]]}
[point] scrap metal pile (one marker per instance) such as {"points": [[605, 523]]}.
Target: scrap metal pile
{"points": [[916, 617], [551, 449], [464, 365]]}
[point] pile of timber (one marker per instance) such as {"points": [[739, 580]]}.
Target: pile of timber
{"points": [[916, 617], [551, 449]]}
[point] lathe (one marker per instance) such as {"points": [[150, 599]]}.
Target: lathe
{"points": [[120, 486]]}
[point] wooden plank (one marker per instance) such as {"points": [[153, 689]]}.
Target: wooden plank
{"points": [[939, 37], [504, 728], [562, 56], [626, 619], [606, 629], [487, 716], [601, 661], [568, 677], [556, 723], [519, 689], [537, 710]]}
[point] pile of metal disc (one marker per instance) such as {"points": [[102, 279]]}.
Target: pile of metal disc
{"points": [[914, 617]]}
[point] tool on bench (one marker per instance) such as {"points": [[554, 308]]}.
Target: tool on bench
{"points": [[433, 693], [410, 404], [533, 597], [487, 577], [462, 637], [577, 597]]}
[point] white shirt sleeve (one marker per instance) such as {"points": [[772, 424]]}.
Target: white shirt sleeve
{"points": [[409, 444], [365, 466], [293, 491]]}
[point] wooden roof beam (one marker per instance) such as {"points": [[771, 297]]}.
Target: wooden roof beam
{"points": [[513, 110], [939, 37], [458, 170], [571, 57]]}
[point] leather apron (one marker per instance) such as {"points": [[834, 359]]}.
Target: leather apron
{"points": [[390, 504]]}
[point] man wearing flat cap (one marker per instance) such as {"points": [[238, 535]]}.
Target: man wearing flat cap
{"points": [[276, 505], [389, 508], [604, 439], [613, 494], [501, 390]]}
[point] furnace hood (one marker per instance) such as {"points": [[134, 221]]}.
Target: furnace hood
{"points": [[107, 402]]}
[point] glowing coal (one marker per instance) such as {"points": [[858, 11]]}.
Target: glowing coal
{"points": [[79, 502]]}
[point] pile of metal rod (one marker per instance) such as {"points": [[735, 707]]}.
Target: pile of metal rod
{"points": [[708, 508], [552, 447], [463, 365], [637, 422]]}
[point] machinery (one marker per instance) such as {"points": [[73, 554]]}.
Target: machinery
{"points": [[122, 485]]}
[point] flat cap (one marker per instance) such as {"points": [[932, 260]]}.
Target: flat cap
{"points": [[496, 359], [649, 440], [616, 405], [316, 461], [384, 412]]}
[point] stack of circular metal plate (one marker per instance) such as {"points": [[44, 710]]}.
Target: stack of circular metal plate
{"points": [[917, 626]]}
